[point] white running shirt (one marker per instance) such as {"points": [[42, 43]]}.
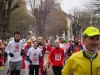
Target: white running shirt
{"points": [[15, 48], [34, 55]]}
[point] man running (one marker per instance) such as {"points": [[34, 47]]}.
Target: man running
{"points": [[76, 47], [34, 56], [15, 50], [86, 61], [56, 58]]}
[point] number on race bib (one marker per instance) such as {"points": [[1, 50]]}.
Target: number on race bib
{"points": [[35, 59], [58, 57]]}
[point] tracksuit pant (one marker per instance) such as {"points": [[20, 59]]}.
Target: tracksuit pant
{"points": [[57, 70], [34, 68]]}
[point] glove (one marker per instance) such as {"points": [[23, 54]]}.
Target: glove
{"points": [[29, 59], [22, 52], [11, 54], [40, 58]]}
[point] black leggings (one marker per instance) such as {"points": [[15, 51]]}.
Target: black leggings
{"points": [[5, 57], [34, 67], [57, 70], [16, 72]]}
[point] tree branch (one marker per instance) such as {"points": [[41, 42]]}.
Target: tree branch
{"points": [[16, 5]]}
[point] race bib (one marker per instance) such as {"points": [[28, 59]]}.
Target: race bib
{"points": [[57, 57], [17, 47], [35, 59]]}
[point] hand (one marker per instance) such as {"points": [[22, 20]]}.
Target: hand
{"points": [[62, 63], [11, 54], [50, 37], [22, 52], [30, 61], [51, 65]]}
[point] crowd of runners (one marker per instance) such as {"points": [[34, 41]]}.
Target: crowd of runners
{"points": [[37, 55]]}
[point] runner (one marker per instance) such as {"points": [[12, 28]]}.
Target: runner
{"points": [[46, 51], [40, 45], [75, 47], [62, 44], [1, 54], [8, 71], [26, 48], [15, 50], [34, 55], [56, 58], [5, 53], [86, 61]]}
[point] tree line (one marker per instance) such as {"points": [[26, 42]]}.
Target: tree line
{"points": [[45, 18]]}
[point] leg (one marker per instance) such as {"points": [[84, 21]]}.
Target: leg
{"points": [[36, 69], [41, 66], [1, 64], [31, 69], [18, 67], [17, 72], [55, 70], [12, 72], [5, 57], [26, 67], [8, 71], [59, 70]]}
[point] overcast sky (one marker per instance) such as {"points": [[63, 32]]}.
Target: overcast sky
{"points": [[68, 5]]}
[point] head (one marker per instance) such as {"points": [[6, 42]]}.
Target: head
{"points": [[35, 44], [17, 36], [45, 41], [76, 40], [70, 42], [0, 42], [5, 43], [91, 38], [33, 38], [61, 40], [29, 42], [30, 32], [40, 39], [56, 43]]}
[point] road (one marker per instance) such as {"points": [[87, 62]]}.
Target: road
{"points": [[4, 71]]}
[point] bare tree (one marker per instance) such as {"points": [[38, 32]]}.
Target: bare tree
{"points": [[93, 7], [6, 8], [40, 9], [82, 19]]}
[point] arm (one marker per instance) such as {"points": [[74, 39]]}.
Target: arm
{"points": [[67, 70], [63, 56], [40, 56], [68, 52], [28, 54], [3, 46], [50, 57], [8, 50]]}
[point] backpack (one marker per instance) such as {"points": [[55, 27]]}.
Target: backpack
{"points": [[72, 49]]}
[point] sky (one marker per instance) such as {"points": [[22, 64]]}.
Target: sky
{"points": [[68, 5]]}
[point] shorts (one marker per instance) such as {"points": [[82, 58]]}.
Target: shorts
{"points": [[15, 65]]}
